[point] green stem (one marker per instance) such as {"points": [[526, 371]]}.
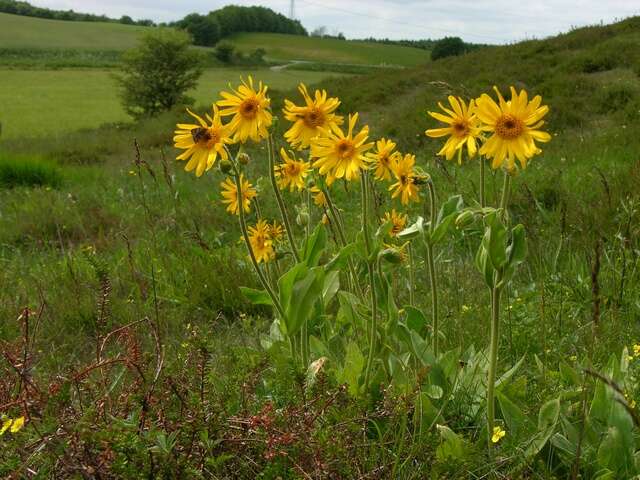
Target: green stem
{"points": [[493, 361], [412, 280], [245, 235], [372, 285], [506, 192], [432, 273], [482, 201], [283, 210]]}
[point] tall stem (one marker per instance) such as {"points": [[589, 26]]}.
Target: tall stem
{"points": [[432, 273], [245, 235], [412, 281], [493, 361], [283, 210], [482, 201], [506, 192], [372, 282]]}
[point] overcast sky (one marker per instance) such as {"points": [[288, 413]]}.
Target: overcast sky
{"points": [[481, 21]]}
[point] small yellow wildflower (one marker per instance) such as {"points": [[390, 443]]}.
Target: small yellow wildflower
{"points": [[292, 172], [498, 434], [17, 424], [261, 242], [463, 127], [384, 159], [312, 119], [636, 350], [276, 231], [398, 221], [5, 425], [405, 186], [318, 197], [230, 194], [514, 127], [250, 110], [466, 308]]}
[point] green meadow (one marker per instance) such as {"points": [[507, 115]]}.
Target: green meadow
{"points": [[132, 351]]}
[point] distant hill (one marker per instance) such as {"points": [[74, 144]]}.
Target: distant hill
{"points": [[40, 36]]}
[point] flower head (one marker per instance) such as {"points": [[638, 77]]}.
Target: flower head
{"points": [[318, 197], [462, 127], [498, 434], [276, 231], [514, 127], [292, 172], [405, 175], [398, 221], [261, 242], [339, 155], [250, 110], [383, 158], [311, 119], [202, 142], [230, 194]]}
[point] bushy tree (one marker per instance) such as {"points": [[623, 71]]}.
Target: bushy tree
{"points": [[157, 73], [224, 52], [204, 29], [448, 47]]}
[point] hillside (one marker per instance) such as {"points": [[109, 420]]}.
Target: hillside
{"points": [[19, 33]]}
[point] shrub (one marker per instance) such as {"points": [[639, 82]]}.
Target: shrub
{"points": [[224, 52], [157, 74], [448, 47], [28, 171]]}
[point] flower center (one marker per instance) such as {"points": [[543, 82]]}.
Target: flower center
{"points": [[313, 118], [460, 128], [345, 148], [249, 108], [292, 170], [509, 127], [201, 135]]}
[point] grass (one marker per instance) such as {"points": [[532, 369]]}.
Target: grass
{"points": [[49, 102], [162, 252], [283, 48], [28, 171]]}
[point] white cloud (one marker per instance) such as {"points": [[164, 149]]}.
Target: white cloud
{"points": [[488, 21]]}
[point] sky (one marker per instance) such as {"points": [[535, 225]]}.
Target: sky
{"points": [[479, 21]]}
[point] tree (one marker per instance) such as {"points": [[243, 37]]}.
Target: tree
{"points": [[157, 73], [205, 30], [224, 52], [448, 47]]}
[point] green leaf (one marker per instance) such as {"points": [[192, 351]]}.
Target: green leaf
{"points": [[341, 259], [506, 376], [453, 447], [517, 422], [446, 216], [496, 243], [415, 319], [300, 288], [331, 286], [484, 266], [314, 246], [412, 231], [352, 368], [548, 415], [518, 247], [257, 297]]}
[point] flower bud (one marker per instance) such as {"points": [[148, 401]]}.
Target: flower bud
{"points": [[464, 219], [243, 158], [391, 255], [225, 166], [302, 219]]}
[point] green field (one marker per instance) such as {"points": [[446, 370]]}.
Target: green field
{"points": [[50, 102], [285, 48], [129, 347]]}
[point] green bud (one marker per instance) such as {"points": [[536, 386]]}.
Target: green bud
{"points": [[465, 219], [225, 166], [302, 219], [244, 158], [391, 255]]}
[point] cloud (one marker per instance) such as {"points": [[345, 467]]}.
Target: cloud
{"points": [[481, 21]]}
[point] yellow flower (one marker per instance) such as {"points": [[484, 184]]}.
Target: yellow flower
{"points": [[17, 424], [405, 186], [202, 143], [514, 126], [250, 110], [292, 172], [383, 158], [5, 425], [636, 350], [261, 242], [318, 197], [462, 127], [276, 231], [311, 119], [339, 155], [398, 221], [230, 194], [498, 433]]}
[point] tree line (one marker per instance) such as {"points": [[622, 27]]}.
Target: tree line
{"points": [[26, 9], [207, 30]]}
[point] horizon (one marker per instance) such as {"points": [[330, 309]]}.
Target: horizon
{"points": [[487, 21]]}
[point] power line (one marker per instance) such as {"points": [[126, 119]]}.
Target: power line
{"points": [[399, 22]]}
